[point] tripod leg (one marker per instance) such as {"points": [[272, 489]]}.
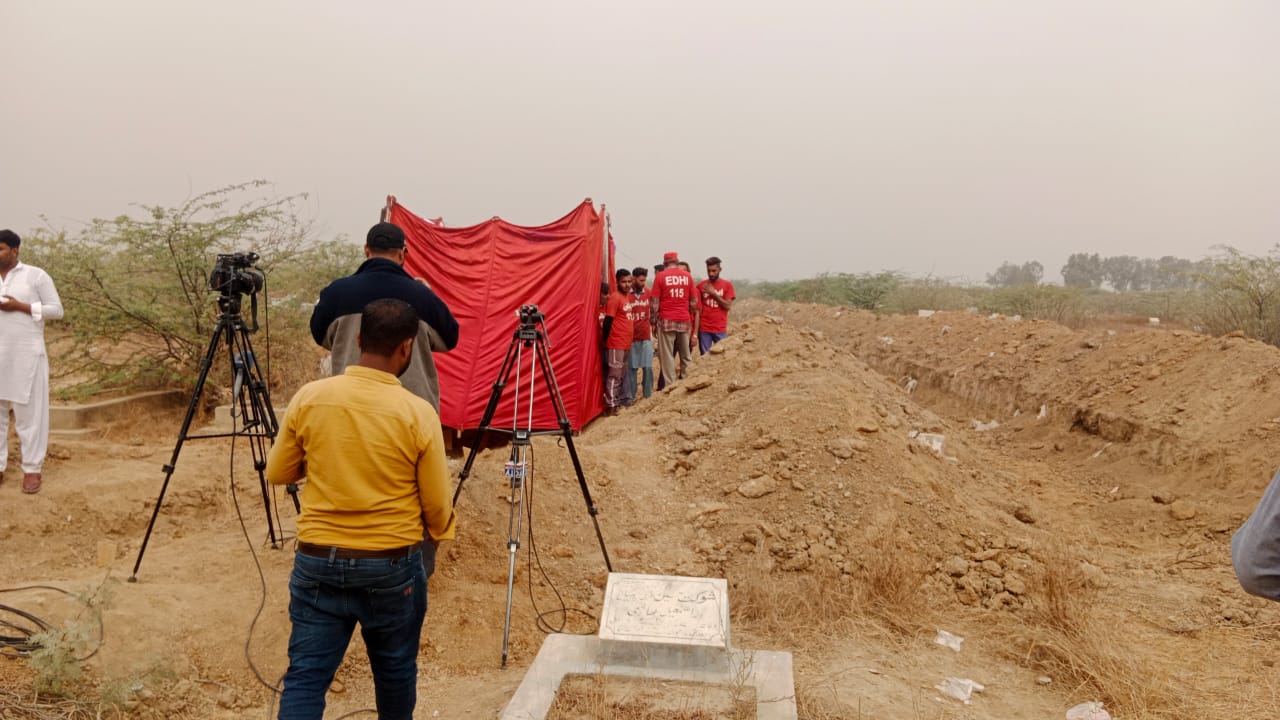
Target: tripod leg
{"points": [[258, 417], [516, 470], [544, 359], [205, 364], [492, 407]]}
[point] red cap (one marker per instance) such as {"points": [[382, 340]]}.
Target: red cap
{"points": [[670, 258]]}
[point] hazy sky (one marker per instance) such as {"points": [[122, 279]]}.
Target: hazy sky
{"points": [[791, 138]]}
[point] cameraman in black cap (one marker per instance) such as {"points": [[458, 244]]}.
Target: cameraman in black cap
{"points": [[335, 322]]}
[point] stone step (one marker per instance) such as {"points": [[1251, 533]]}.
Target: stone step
{"points": [[82, 416]]}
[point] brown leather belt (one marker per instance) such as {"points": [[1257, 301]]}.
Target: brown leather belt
{"points": [[339, 553]]}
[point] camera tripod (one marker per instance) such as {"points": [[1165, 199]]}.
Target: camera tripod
{"points": [[249, 400], [531, 334]]}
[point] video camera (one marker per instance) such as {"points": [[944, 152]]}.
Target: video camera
{"points": [[236, 274], [530, 315]]}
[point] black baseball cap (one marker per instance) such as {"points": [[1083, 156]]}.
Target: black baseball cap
{"points": [[385, 236]]}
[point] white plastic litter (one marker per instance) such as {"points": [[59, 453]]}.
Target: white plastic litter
{"points": [[1044, 412], [925, 313], [886, 340], [946, 639], [1088, 711], [980, 426], [934, 441], [912, 383], [960, 688]]}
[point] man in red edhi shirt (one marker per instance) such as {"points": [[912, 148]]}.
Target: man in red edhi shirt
{"points": [[716, 296], [617, 343], [671, 312], [642, 338]]}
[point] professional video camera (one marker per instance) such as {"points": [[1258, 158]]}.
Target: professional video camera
{"points": [[530, 315], [253, 416], [236, 274]]}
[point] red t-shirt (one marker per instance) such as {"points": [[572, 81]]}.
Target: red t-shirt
{"points": [[638, 310], [673, 288], [620, 332], [715, 319]]}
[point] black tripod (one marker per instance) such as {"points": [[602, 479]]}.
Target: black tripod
{"points": [[250, 401], [530, 334]]}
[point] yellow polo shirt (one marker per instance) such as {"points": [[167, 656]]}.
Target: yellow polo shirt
{"points": [[374, 459]]}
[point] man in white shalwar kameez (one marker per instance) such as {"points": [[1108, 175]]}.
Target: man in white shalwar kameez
{"points": [[27, 299]]}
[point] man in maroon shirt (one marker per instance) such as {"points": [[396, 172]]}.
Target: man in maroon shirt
{"points": [[617, 344], [642, 337], [671, 312], [716, 296]]}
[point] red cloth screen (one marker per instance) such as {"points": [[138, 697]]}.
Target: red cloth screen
{"points": [[484, 273]]}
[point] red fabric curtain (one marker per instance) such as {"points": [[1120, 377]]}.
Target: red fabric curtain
{"points": [[484, 273]]}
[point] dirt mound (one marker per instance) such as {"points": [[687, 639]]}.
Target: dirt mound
{"points": [[783, 443], [811, 445], [1155, 398]]}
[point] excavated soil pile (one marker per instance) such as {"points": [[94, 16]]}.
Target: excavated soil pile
{"points": [[806, 444]]}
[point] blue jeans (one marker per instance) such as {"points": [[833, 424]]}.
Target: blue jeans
{"points": [[707, 339], [388, 597], [641, 359]]}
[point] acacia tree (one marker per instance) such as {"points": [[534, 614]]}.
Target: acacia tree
{"points": [[140, 311], [1243, 293], [1010, 275], [1083, 271], [1124, 272]]}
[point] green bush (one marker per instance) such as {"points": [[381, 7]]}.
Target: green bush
{"points": [[866, 291], [139, 309]]}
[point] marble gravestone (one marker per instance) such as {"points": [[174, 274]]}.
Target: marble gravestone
{"points": [[662, 627]]}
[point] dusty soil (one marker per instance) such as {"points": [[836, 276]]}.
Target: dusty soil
{"points": [[798, 450]]}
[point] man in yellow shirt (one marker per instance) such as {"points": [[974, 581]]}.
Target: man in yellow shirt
{"points": [[374, 506]]}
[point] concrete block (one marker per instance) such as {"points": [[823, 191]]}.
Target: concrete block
{"points": [[78, 416], [770, 673], [665, 628]]}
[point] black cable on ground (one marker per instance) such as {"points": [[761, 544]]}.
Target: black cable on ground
{"points": [[23, 644], [540, 618], [262, 577]]}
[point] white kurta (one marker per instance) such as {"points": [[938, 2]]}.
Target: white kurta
{"points": [[24, 364], [22, 351]]}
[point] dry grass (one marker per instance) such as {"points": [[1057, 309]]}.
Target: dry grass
{"points": [[889, 580], [790, 607], [587, 697], [884, 589], [26, 705], [1065, 636]]}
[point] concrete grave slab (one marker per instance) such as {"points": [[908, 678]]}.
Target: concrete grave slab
{"points": [[662, 627], [666, 609]]}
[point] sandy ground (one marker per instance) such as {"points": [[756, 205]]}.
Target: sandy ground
{"points": [[793, 451]]}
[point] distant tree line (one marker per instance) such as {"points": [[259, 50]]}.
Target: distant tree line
{"points": [[1228, 291], [1009, 275], [140, 309], [1122, 273]]}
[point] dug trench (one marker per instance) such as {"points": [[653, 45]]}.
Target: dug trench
{"points": [[862, 481]]}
